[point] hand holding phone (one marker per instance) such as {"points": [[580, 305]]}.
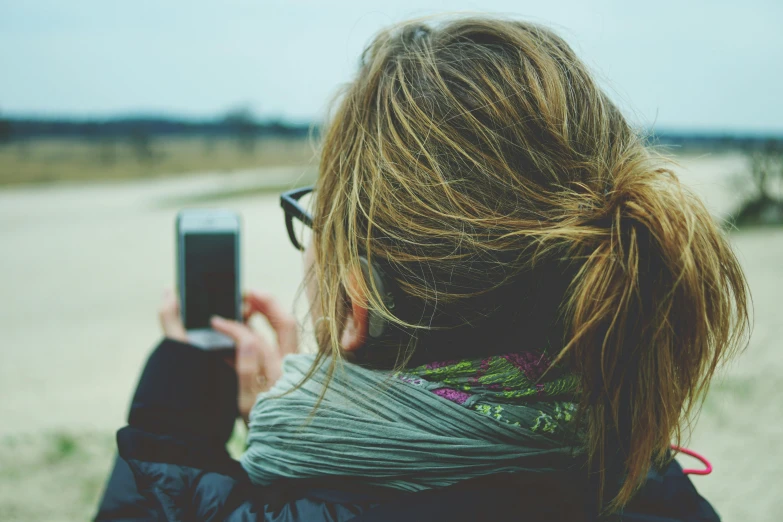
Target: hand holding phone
{"points": [[259, 361]]}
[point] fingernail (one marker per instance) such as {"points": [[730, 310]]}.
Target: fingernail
{"points": [[216, 319]]}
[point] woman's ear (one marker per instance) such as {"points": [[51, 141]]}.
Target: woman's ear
{"points": [[354, 334]]}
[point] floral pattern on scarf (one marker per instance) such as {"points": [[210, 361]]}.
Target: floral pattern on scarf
{"points": [[497, 386]]}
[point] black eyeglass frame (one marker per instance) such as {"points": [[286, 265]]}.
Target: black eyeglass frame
{"points": [[289, 201]]}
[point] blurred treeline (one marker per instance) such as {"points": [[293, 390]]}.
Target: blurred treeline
{"points": [[36, 150], [759, 186]]}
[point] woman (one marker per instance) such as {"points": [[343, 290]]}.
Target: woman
{"points": [[516, 305]]}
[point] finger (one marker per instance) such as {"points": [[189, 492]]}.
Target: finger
{"points": [[236, 330], [281, 321], [169, 304], [268, 306], [248, 363], [248, 345], [169, 316]]}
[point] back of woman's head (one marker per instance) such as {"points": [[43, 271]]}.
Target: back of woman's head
{"points": [[477, 156]]}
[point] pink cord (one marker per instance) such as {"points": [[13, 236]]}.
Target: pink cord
{"points": [[695, 455]]}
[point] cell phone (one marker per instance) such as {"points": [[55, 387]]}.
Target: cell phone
{"points": [[208, 273]]}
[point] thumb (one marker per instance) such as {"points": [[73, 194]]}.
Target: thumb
{"points": [[169, 316]]}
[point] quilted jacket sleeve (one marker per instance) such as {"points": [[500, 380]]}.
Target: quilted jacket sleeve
{"points": [[183, 412]]}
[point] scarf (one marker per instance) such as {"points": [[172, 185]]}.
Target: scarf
{"points": [[427, 427]]}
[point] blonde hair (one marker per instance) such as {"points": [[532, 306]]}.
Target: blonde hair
{"points": [[469, 155]]}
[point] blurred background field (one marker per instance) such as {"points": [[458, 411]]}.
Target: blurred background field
{"points": [[113, 118]]}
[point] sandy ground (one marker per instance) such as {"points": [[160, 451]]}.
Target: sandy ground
{"points": [[82, 267]]}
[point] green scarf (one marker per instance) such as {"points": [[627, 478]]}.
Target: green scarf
{"points": [[427, 427]]}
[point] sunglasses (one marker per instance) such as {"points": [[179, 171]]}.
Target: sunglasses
{"points": [[296, 214]]}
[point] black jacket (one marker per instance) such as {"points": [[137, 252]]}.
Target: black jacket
{"points": [[172, 465]]}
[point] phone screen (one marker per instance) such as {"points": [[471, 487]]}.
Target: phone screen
{"points": [[210, 278]]}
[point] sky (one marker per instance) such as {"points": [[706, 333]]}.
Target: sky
{"points": [[676, 65]]}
